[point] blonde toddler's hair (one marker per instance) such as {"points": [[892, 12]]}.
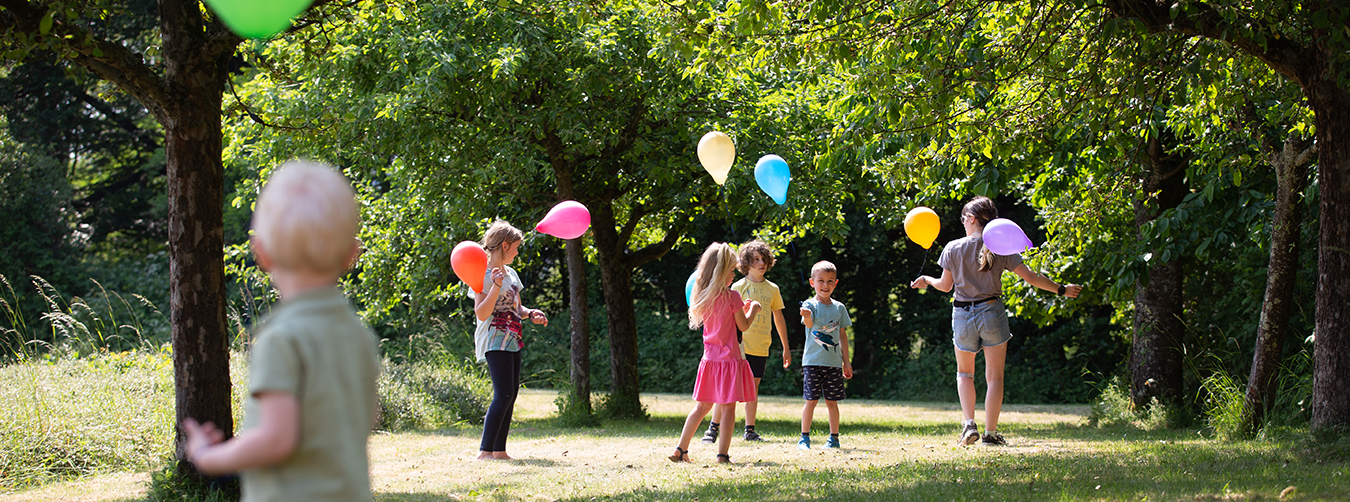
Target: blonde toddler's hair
{"points": [[306, 218], [715, 270]]}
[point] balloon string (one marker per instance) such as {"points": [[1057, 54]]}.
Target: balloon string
{"points": [[720, 195], [797, 259], [924, 262]]}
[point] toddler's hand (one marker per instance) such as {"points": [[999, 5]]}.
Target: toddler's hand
{"points": [[199, 436], [497, 276], [848, 370], [1072, 290]]}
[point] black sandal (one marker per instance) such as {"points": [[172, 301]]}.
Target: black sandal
{"points": [[723, 458], [683, 455]]}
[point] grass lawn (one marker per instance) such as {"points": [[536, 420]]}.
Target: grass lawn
{"points": [[891, 451]]}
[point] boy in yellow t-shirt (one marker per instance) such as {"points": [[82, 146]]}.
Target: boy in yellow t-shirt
{"points": [[755, 259], [313, 366]]}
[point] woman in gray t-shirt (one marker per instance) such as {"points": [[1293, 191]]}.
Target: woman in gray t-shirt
{"points": [[978, 317]]}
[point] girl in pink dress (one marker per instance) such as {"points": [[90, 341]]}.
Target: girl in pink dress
{"points": [[723, 375]]}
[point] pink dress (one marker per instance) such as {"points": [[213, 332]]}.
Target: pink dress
{"points": [[723, 375]]}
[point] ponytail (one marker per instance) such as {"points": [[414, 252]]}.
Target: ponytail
{"points": [[983, 211]]}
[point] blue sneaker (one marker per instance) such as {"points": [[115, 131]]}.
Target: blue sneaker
{"points": [[832, 442], [804, 443]]}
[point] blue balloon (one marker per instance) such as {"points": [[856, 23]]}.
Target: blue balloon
{"points": [[773, 176], [689, 288]]}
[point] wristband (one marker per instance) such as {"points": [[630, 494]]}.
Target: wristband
{"points": [[1061, 290]]}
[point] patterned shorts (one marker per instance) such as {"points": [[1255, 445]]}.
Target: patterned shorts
{"points": [[826, 381]]}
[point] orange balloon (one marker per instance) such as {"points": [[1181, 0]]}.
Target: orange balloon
{"points": [[469, 261], [922, 225]]}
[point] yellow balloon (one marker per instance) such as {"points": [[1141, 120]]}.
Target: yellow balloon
{"points": [[716, 152], [921, 225]]}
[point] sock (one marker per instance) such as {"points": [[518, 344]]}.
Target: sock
{"points": [[806, 435], [968, 422], [749, 428], [714, 426], [834, 435]]}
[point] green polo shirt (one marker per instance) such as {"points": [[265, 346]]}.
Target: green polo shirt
{"points": [[314, 347]]}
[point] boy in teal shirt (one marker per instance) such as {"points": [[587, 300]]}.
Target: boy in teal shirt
{"points": [[825, 361]]}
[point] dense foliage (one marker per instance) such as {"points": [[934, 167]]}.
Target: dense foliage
{"points": [[447, 115]]}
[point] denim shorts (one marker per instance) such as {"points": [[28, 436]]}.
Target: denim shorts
{"points": [[983, 325]]}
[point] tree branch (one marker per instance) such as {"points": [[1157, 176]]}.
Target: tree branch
{"points": [[110, 61], [1203, 20]]}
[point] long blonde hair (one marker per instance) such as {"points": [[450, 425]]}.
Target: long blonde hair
{"points": [[715, 271]]}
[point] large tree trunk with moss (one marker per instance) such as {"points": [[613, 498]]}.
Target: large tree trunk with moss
{"points": [[1290, 164], [1155, 357]]}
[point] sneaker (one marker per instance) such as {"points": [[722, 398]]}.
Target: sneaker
{"points": [[752, 436], [993, 439], [832, 442], [710, 436], [804, 443], [969, 434]]}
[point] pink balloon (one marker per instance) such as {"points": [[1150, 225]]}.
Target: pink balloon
{"points": [[567, 220]]}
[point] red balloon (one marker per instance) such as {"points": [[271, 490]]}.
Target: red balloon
{"points": [[469, 261]]}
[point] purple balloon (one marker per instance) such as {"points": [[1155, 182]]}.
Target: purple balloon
{"points": [[1003, 237]]}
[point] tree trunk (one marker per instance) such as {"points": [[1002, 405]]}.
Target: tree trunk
{"points": [[1292, 177], [1331, 352], [616, 277], [1155, 358], [195, 77], [581, 330], [578, 304]]}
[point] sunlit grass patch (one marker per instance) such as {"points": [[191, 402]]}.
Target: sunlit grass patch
{"points": [[67, 417]]}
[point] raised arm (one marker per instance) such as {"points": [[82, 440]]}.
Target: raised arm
{"points": [[1043, 282], [484, 302]]}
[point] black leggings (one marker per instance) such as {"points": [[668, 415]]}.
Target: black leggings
{"points": [[504, 368]]}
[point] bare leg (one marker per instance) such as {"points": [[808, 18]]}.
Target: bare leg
{"points": [[752, 406], [692, 422], [965, 387], [808, 414], [833, 407], [728, 417], [994, 360]]}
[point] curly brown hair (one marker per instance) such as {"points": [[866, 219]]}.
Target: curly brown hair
{"points": [[747, 255]]}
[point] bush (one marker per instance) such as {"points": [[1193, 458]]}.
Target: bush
{"points": [[430, 395]]}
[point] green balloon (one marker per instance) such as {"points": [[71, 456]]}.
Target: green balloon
{"points": [[258, 18]]}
